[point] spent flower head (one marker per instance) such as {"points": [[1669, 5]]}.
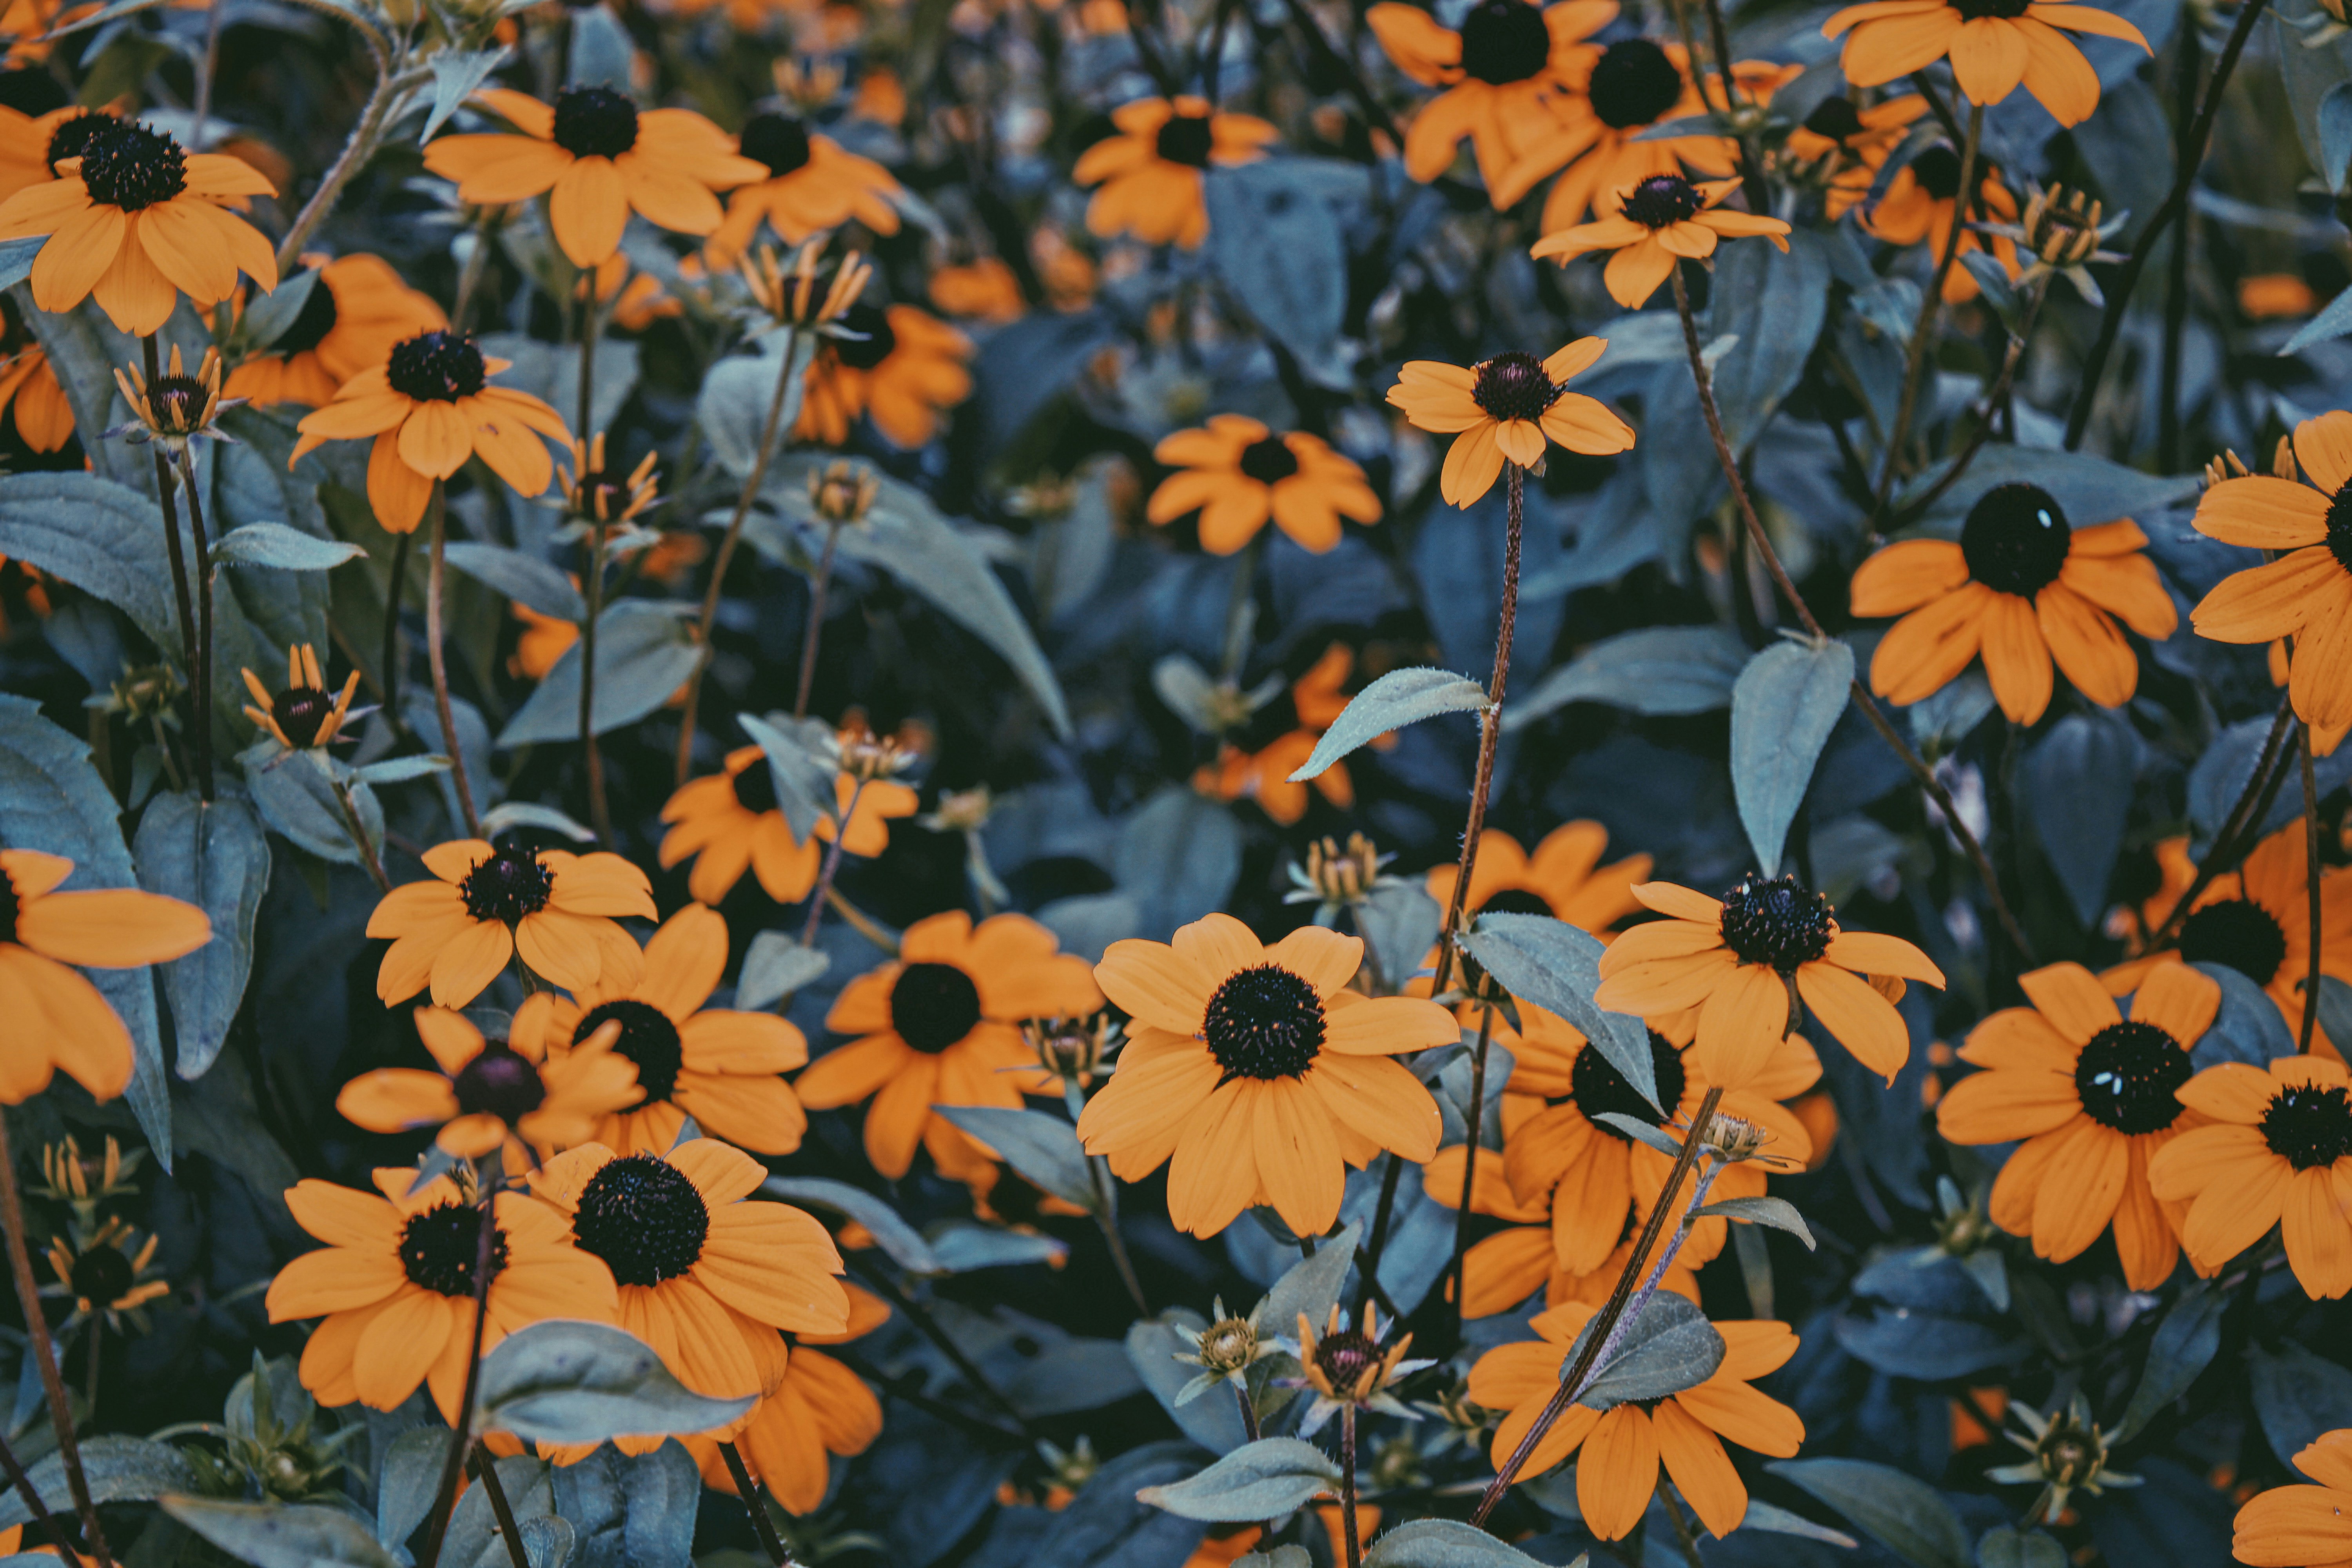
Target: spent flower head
{"points": [[2069, 1455]]}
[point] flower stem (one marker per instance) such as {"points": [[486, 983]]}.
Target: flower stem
{"points": [[1106, 1207], [1603, 1333], [755, 1503], [2230, 844], [486, 1470], [203, 586], [1477, 1119], [1249, 1413], [1993, 400], [2311, 876], [358, 830], [1382, 1212], [200, 701], [438, 507], [1683, 1538], [1490, 720], [49, 1522], [815, 631], [861, 922], [727, 543], [392, 657], [600, 813], [43, 1351], [832, 865], [940, 1337], [357, 149], [1931, 307], [1348, 1483], [461, 1438]]}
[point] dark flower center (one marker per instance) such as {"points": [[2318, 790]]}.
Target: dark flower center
{"points": [[439, 366], [1185, 139], [2016, 539], [1264, 1023], [500, 1082], [595, 122], [1778, 923], [647, 1038], [132, 167], [866, 352], [9, 905], [1516, 902], [643, 1218], [1599, 1088], [755, 788], [1345, 1357], [2126, 1074], [2309, 1126], [1514, 385], [102, 1274], [1271, 460], [1505, 41], [933, 1005], [2339, 527], [310, 327], [31, 90], [300, 710], [1662, 201], [1835, 118], [1978, 10], [73, 137], [779, 141], [507, 886], [438, 1247], [1937, 170], [2238, 933], [177, 403], [1634, 82]]}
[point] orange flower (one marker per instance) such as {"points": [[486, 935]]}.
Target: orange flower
{"points": [[1563, 878], [1850, 144], [544, 640], [806, 183], [2271, 295], [2023, 588], [486, 904], [1658, 221], [2279, 1153], [29, 122], [1921, 202], [1264, 775], [2294, 1526], [1513, 70], [1508, 406], [1237, 474], [356, 312], [601, 157], [28, 383], [732, 821], [985, 290], [1993, 46], [905, 367], [1150, 172], [821, 1409]]}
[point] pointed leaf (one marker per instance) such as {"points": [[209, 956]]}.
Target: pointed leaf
{"points": [[1551, 963], [1261, 1480], [1782, 708], [563, 1382], [1400, 698]]}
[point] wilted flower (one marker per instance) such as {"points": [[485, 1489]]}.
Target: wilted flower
{"points": [[2070, 1454]]}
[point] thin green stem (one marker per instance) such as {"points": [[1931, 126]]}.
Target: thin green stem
{"points": [[437, 508], [1106, 1206], [1490, 721], [1923, 331]]}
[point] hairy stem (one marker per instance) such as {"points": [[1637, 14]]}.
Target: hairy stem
{"points": [[1106, 1207], [1923, 331], [755, 1503], [359, 147], [486, 1470], [832, 865], [1992, 403], [1348, 1483], [434, 583], [1490, 721], [1470, 1161], [815, 631], [358, 830]]}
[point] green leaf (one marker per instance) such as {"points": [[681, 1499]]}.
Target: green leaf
{"points": [[286, 549], [2088, 489], [1551, 963], [2179, 1352], [17, 256], [1400, 698], [1276, 241], [962, 1245], [1400, 922], [2297, 1396], [2078, 783], [1762, 1515], [281, 1535], [1442, 1544], [1670, 1347], [902, 1243], [412, 1475], [1778, 1213], [401, 769], [1259, 1481], [631, 1512], [563, 1382], [1643, 1131], [1658, 669], [103, 538], [739, 393], [296, 796], [525, 579], [1901, 1512], [455, 74], [645, 652], [552, 372], [268, 316], [801, 765], [2002, 1547], [774, 967], [1310, 1287], [118, 1468], [1041, 1146], [1783, 708], [216, 857], [1280, 1557]]}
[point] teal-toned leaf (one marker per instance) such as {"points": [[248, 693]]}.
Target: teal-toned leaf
{"points": [[118, 1468], [962, 1246], [294, 793], [1658, 669], [2087, 489], [552, 372], [1040, 1145], [216, 857], [525, 579], [401, 769], [547, 1542], [645, 652], [277, 545], [2003, 1547], [1551, 963], [631, 1511], [2332, 322], [1783, 708], [282, 1535], [1765, 1516], [1641, 1132], [1276, 241], [1260, 1480], [510, 814], [738, 401], [411, 1475], [900, 1241], [2298, 1395], [1310, 1287], [801, 767], [601, 52], [1280, 1557], [563, 1382], [1213, 1420], [268, 316], [1670, 1347], [1399, 923], [103, 538], [2182, 1348], [774, 967], [1400, 698], [1444, 1543], [455, 74], [1901, 1512], [16, 257], [1778, 1213], [1774, 303], [2079, 780]]}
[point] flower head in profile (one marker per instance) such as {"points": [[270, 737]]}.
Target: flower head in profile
{"points": [[1841, 145], [2279, 1153], [135, 221], [1746, 961], [1237, 475], [2023, 588], [357, 309], [487, 903], [1994, 46], [104, 1281], [509, 1094], [900, 366], [428, 406], [941, 1025], [1921, 204], [2092, 1094], [395, 1285], [807, 183], [56, 1017], [1510, 71], [2062, 231], [1658, 221], [1507, 407], [597, 157], [177, 408], [1345, 1366], [1255, 1075], [1150, 169], [2292, 1526], [593, 494], [305, 714]]}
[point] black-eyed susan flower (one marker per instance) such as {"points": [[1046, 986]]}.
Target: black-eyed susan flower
{"points": [[1318, 698], [1843, 144], [177, 408], [597, 157], [1507, 407], [1237, 475], [137, 222], [2294, 1526], [729, 822], [38, 106], [2306, 592], [356, 311], [2092, 1094], [902, 369], [941, 1025], [29, 385], [2278, 1152], [2023, 588], [717, 1066], [1994, 46], [705, 1278], [394, 1284], [983, 289], [807, 182], [104, 1281], [57, 1019], [1658, 221], [428, 406], [1348, 1367], [1617, 1471], [1563, 878], [305, 713], [487, 903], [1747, 960], [1255, 1075], [821, 1410], [1921, 202], [1151, 170], [512, 1094], [1511, 70]]}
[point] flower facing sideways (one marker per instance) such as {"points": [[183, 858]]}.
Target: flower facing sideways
{"points": [[1512, 68], [1509, 407], [486, 903], [810, 183], [821, 1409], [1921, 202], [2279, 1154], [358, 307], [901, 369], [729, 822], [1658, 221]]}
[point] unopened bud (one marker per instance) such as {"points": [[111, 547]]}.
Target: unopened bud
{"points": [[843, 492]]}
